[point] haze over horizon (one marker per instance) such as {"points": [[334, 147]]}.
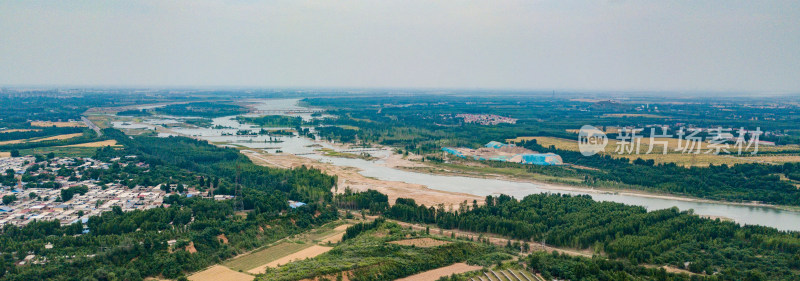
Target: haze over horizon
{"points": [[737, 46]]}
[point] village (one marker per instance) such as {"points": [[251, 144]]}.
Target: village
{"points": [[23, 205]]}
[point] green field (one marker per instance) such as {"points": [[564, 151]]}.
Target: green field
{"points": [[61, 151], [271, 253], [264, 256]]}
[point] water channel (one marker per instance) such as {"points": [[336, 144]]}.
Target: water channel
{"points": [[767, 216]]}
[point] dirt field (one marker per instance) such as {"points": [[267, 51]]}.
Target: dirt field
{"points": [[349, 177], [336, 238], [220, 273], [5, 154], [94, 144], [777, 158], [261, 257], [57, 124], [58, 137], [421, 242], [258, 260], [18, 130], [440, 272], [309, 252]]}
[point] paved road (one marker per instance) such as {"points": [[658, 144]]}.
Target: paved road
{"points": [[92, 125]]}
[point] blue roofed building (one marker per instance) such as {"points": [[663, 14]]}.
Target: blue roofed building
{"points": [[539, 159], [296, 204], [498, 151]]}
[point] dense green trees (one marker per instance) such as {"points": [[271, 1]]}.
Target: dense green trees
{"points": [[371, 200], [134, 112], [226, 164], [161, 241], [356, 229], [67, 193], [369, 257], [272, 121], [39, 132], [564, 267], [424, 124], [134, 245], [202, 109], [740, 182], [625, 232]]}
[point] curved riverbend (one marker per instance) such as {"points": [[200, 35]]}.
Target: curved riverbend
{"points": [[743, 214]]}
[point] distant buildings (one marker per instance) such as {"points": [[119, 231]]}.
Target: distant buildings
{"points": [[42, 203], [497, 151], [486, 119]]}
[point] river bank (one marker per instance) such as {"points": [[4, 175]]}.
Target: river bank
{"points": [[349, 177], [398, 162]]}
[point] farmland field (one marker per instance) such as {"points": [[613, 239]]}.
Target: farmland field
{"points": [[58, 137], [61, 151], [441, 272], [304, 245], [94, 144], [309, 252], [421, 242], [18, 130], [56, 124], [267, 255], [220, 273]]}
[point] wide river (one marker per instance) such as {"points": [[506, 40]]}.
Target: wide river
{"points": [[780, 219]]}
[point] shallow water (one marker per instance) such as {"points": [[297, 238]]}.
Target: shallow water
{"points": [[780, 219]]}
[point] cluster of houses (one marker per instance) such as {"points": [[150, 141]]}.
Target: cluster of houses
{"points": [[486, 119], [44, 204]]}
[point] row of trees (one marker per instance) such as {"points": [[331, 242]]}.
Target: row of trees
{"points": [[624, 232], [202, 109], [740, 182]]}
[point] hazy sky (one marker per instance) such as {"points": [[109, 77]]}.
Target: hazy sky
{"points": [[690, 45]]}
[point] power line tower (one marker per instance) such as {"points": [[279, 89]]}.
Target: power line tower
{"points": [[238, 204]]}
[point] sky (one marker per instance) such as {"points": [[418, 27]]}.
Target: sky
{"points": [[665, 45]]}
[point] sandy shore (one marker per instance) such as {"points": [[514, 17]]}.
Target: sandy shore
{"points": [[397, 162], [350, 177]]}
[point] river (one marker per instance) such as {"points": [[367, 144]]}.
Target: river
{"points": [[755, 215]]}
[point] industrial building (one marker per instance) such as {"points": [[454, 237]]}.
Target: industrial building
{"points": [[497, 151]]}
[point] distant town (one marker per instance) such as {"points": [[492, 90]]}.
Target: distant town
{"points": [[25, 202]]}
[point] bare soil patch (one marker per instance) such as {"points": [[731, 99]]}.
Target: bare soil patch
{"points": [[309, 252], [18, 130], [58, 137], [336, 238], [220, 273], [5, 154], [94, 144], [57, 124], [421, 242], [223, 238], [349, 177], [440, 272], [191, 248]]}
